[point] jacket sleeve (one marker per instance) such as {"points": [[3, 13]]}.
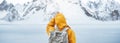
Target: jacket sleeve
{"points": [[71, 36], [50, 26]]}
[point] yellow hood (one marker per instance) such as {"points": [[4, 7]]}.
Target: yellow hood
{"points": [[60, 21]]}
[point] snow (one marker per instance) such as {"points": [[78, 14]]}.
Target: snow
{"points": [[4, 13], [101, 9], [18, 2], [1, 1], [73, 12]]}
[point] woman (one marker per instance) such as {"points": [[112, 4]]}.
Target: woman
{"points": [[60, 21]]}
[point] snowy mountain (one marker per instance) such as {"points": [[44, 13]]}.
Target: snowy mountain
{"points": [[75, 11], [19, 12], [106, 10], [12, 13]]}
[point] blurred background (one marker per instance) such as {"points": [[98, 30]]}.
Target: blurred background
{"points": [[25, 21]]}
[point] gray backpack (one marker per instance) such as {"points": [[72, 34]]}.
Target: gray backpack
{"points": [[59, 36]]}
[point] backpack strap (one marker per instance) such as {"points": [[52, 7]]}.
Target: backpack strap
{"points": [[65, 29], [56, 28]]}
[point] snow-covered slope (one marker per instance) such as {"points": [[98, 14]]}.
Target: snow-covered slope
{"points": [[75, 11], [20, 12], [103, 10]]}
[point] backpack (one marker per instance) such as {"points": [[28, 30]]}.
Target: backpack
{"points": [[57, 36]]}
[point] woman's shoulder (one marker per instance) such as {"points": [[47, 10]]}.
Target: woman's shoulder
{"points": [[69, 30]]}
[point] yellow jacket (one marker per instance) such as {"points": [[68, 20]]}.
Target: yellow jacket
{"points": [[60, 21]]}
